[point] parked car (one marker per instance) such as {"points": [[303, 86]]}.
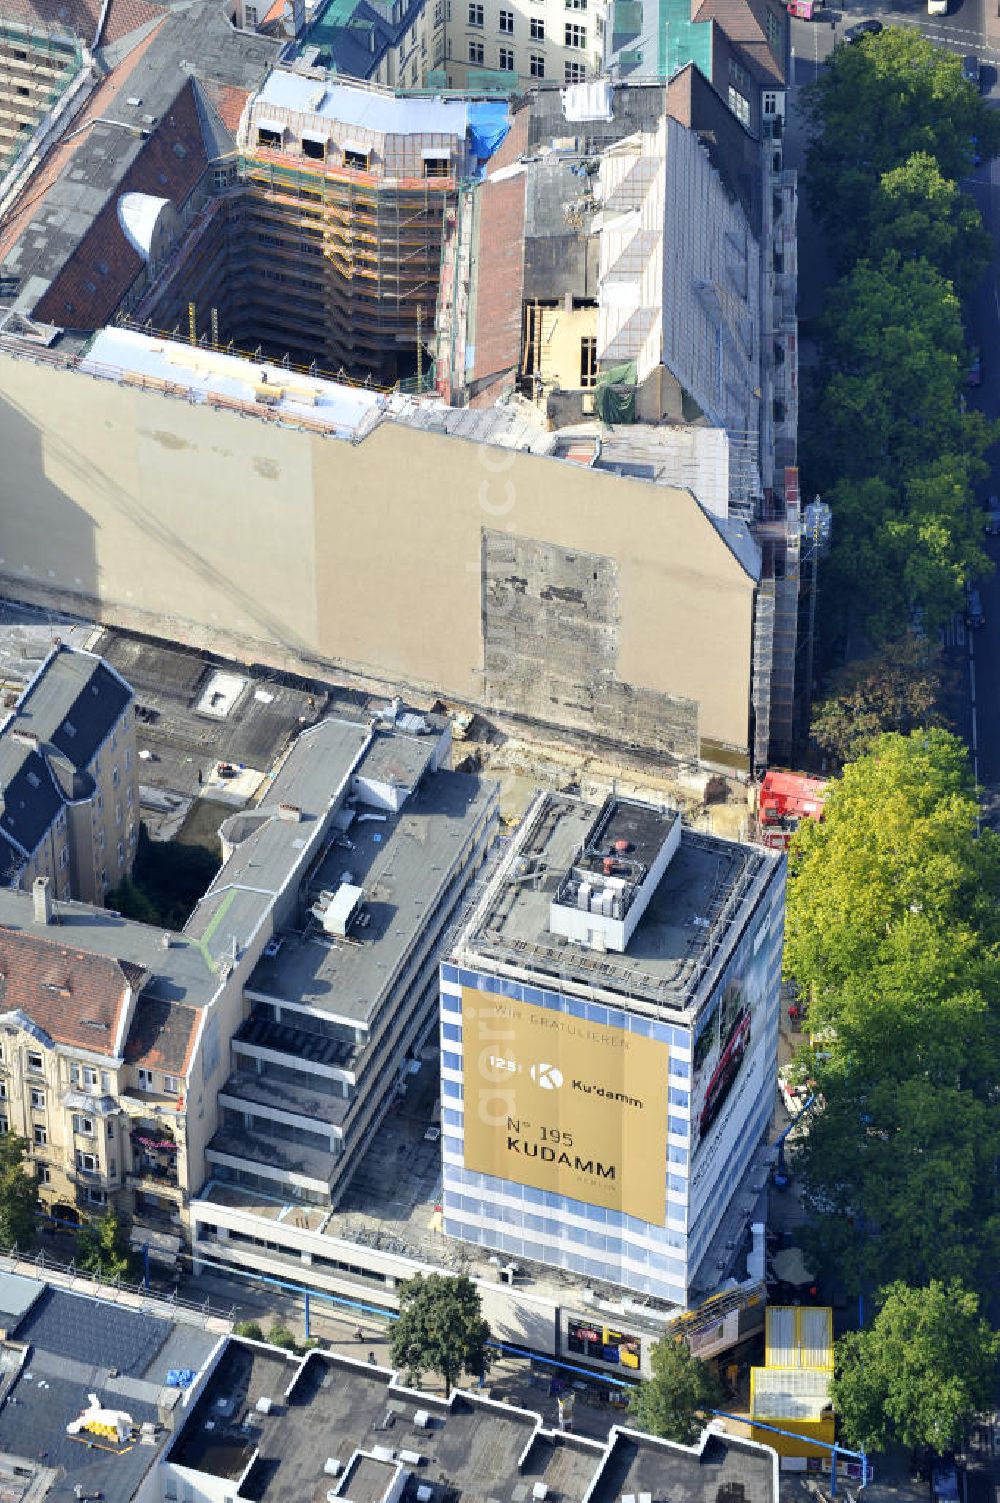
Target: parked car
{"points": [[944, 1482], [974, 609], [863, 29], [970, 69]]}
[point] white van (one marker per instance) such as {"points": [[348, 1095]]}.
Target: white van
{"points": [[937, 7]]}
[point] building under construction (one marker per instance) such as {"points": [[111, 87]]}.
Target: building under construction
{"points": [[327, 249]]}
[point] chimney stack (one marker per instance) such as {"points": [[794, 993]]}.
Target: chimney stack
{"points": [[42, 900]]}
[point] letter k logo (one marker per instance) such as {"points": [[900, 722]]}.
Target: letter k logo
{"points": [[547, 1076]]}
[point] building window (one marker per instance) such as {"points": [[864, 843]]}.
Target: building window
{"points": [[86, 1161], [357, 160], [128, 758], [171, 1085], [44, 1174], [507, 23], [34, 1060], [83, 1125], [574, 73], [739, 105], [145, 1080], [94, 1197], [437, 167], [476, 53], [121, 853], [773, 26], [111, 1128], [3, 1090], [37, 1101], [250, 15], [475, 15], [115, 775], [4, 1124], [90, 1078], [588, 361], [313, 147], [538, 28], [576, 4], [576, 36], [41, 1136], [537, 66], [770, 103], [505, 59], [63, 858]]}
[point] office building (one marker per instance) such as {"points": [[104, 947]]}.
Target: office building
{"points": [[609, 1025], [294, 1427]]}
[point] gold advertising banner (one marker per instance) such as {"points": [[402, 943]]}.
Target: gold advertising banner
{"points": [[565, 1105]]}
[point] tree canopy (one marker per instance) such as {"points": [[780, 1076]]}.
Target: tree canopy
{"points": [[441, 1329], [18, 1194], [894, 688], [874, 108], [892, 936], [886, 436], [920, 1374], [676, 1400], [102, 1246]]}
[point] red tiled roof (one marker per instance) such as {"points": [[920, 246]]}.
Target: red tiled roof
{"points": [[226, 100], [162, 1035], [61, 153], [88, 289], [81, 16], [744, 23], [77, 998], [499, 277]]}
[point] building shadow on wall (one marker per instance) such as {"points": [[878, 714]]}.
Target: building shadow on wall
{"points": [[47, 548]]}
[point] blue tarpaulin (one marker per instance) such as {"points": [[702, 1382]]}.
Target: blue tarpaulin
{"points": [[489, 122], [180, 1377]]}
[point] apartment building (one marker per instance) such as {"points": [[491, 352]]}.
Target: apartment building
{"points": [[346, 188], [69, 778], [517, 43], [73, 1030], [393, 42], [37, 66], [609, 1029]]}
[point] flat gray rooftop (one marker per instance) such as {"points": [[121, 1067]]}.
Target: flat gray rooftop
{"points": [[700, 897], [471, 1449], [727, 1471], [77, 1346], [403, 863]]}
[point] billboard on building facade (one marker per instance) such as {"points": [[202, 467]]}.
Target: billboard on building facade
{"points": [[565, 1105], [730, 1057]]}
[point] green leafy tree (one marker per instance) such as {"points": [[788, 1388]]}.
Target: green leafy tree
{"points": [[898, 841], [18, 1194], [676, 1400], [920, 1374], [102, 1246], [875, 107], [918, 212], [130, 901], [252, 1329], [440, 1329], [896, 688], [282, 1335]]}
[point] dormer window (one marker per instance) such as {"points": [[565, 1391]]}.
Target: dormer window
{"points": [[270, 134]]}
